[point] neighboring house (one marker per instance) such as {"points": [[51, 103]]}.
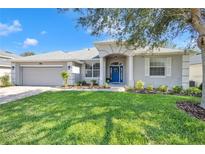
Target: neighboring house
{"points": [[195, 73], [5, 62], [106, 60]]}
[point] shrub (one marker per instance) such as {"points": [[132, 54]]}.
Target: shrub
{"points": [[139, 85], [65, 76], [149, 88], [93, 82], [200, 86], [83, 82], [106, 85], [177, 89], [163, 88], [79, 83], [4, 80], [192, 91], [108, 80]]}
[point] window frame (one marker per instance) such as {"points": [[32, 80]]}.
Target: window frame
{"points": [[92, 69], [88, 69], [151, 66], [96, 69]]}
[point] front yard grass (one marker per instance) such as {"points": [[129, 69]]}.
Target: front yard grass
{"points": [[99, 118]]}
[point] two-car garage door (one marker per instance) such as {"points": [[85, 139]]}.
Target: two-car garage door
{"points": [[42, 76]]}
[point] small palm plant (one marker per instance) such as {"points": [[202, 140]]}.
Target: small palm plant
{"points": [[65, 76]]}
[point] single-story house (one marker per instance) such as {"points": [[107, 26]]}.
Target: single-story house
{"points": [[195, 73], [107, 60], [5, 62]]}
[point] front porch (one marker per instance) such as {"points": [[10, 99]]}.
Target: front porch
{"points": [[117, 70], [116, 64]]}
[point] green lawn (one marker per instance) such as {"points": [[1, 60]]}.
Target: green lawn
{"points": [[99, 118]]}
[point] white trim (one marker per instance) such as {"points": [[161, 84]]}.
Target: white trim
{"points": [[92, 69], [102, 80], [157, 76], [147, 66], [5, 66], [6, 57], [168, 69], [165, 67], [41, 65], [130, 71]]}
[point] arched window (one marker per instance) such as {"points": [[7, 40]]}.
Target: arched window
{"points": [[116, 63]]}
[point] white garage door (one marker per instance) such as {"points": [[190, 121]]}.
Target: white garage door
{"points": [[42, 76]]}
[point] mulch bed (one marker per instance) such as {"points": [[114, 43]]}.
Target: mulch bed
{"points": [[85, 87], [192, 109]]}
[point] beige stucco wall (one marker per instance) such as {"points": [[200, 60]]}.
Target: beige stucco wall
{"points": [[138, 65], [195, 73], [174, 79], [5, 70]]}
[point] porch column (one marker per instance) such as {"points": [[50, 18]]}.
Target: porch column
{"points": [[102, 75], [185, 71], [130, 72]]}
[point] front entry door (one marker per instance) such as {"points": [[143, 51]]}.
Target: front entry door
{"points": [[115, 75]]}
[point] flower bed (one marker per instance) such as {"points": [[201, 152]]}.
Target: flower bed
{"points": [[163, 89]]}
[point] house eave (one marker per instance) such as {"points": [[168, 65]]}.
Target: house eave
{"points": [[53, 60], [6, 66]]}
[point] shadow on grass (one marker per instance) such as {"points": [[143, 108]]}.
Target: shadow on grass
{"points": [[87, 118]]}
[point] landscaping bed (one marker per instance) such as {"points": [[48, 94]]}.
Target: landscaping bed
{"points": [[192, 109], [164, 89], [86, 87]]}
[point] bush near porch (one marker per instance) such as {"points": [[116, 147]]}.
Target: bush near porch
{"points": [[163, 89], [99, 118]]}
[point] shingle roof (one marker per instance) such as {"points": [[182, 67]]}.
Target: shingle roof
{"points": [[195, 59], [5, 58], [85, 54], [8, 54]]}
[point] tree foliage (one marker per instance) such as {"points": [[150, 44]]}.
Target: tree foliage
{"points": [[140, 27], [27, 53]]}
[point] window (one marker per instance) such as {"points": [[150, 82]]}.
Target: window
{"points": [[157, 67], [92, 70], [88, 70], [96, 70]]}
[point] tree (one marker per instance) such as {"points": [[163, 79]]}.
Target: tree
{"points": [[27, 53], [148, 27], [65, 76]]}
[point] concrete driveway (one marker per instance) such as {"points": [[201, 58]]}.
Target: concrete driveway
{"points": [[18, 92]]}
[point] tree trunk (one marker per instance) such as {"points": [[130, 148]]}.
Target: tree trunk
{"points": [[199, 26], [203, 79]]}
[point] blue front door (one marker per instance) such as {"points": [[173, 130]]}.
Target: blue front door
{"points": [[115, 75]]}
